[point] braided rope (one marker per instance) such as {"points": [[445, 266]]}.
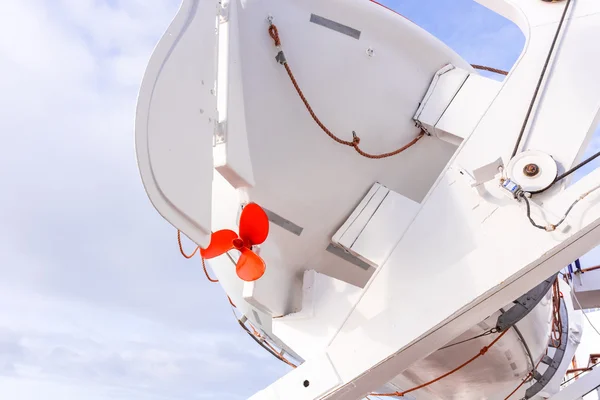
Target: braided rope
{"points": [[355, 142]]}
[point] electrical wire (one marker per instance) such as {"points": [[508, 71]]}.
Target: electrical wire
{"points": [[524, 197], [549, 227], [552, 227], [541, 80]]}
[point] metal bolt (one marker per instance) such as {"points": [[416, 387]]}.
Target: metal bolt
{"points": [[531, 170]]}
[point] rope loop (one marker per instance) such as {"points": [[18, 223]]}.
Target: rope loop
{"points": [[274, 33], [189, 256], [181, 247], [355, 143]]}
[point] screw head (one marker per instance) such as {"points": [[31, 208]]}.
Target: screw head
{"points": [[531, 170]]}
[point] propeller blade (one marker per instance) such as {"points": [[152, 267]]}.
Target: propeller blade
{"points": [[220, 243], [254, 224], [250, 266]]}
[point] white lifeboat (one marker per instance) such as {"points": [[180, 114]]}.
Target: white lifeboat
{"points": [[305, 137]]}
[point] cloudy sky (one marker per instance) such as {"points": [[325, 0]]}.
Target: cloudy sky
{"points": [[95, 300]]}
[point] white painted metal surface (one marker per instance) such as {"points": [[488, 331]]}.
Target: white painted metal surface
{"points": [[376, 226], [231, 152], [278, 294], [466, 109], [350, 230], [584, 385], [447, 82], [507, 361], [586, 287], [490, 264], [175, 121], [325, 303], [317, 182], [385, 229], [448, 256]]}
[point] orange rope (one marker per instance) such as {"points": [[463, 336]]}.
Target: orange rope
{"points": [[557, 326], [490, 69], [181, 247], [231, 302], [192, 255], [519, 387], [355, 142], [266, 343], [481, 353], [207, 276], [527, 379], [591, 269]]}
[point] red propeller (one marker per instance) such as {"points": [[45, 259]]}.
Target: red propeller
{"points": [[254, 229]]}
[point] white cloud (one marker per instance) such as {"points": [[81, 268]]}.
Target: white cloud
{"points": [[45, 339], [71, 345], [96, 302]]}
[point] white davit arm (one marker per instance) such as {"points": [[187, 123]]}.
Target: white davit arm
{"points": [[584, 385], [175, 120]]}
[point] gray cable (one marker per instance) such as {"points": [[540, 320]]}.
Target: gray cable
{"points": [[550, 227], [539, 84], [527, 349]]}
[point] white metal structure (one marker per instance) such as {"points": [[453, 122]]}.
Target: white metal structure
{"points": [[383, 274], [586, 385]]}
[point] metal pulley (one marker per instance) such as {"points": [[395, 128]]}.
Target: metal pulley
{"points": [[534, 171]]}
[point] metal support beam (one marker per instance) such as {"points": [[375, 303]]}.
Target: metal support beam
{"points": [[585, 384], [524, 305]]}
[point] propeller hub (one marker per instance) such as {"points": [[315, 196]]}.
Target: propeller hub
{"points": [[238, 243], [254, 229]]}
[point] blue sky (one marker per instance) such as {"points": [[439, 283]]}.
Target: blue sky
{"points": [[95, 300]]}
